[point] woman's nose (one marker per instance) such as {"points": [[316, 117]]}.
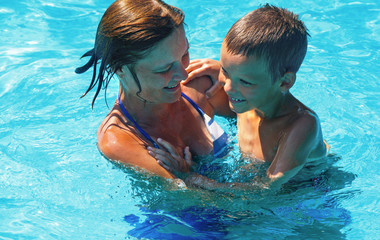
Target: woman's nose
{"points": [[181, 72]]}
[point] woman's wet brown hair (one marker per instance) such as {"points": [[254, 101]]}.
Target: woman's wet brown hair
{"points": [[126, 33]]}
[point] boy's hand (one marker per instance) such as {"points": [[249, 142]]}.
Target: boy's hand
{"points": [[169, 158], [201, 67]]}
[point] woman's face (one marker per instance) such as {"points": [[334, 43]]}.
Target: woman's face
{"points": [[161, 71]]}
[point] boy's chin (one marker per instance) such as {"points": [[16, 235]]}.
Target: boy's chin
{"points": [[242, 109], [238, 110]]}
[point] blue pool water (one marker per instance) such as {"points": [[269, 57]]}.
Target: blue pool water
{"points": [[54, 184]]}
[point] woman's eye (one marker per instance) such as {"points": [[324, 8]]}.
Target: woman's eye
{"points": [[164, 70]]}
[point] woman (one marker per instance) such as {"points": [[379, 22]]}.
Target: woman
{"points": [[143, 42]]}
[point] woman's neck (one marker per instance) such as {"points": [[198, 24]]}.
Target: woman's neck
{"points": [[144, 112]]}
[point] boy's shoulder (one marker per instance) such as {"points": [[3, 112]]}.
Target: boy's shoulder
{"points": [[305, 131], [302, 118]]}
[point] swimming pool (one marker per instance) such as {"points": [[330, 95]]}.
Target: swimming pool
{"points": [[54, 184]]}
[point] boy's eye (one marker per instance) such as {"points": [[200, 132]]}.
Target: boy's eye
{"points": [[224, 72], [245, 82]]}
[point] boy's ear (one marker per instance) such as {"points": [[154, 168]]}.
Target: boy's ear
{"points": [[287, 81]]}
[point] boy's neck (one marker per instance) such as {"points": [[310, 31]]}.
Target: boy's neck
{"points": [[276, 108]]}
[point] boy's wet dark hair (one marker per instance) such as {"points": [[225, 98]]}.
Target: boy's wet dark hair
{"points": [[126, 33], [273, 33]]}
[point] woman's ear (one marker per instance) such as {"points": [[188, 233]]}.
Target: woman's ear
{"points": [[120, 72], [287, 81]]}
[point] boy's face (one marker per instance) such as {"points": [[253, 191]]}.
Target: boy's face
{"points": [[247, 82]]}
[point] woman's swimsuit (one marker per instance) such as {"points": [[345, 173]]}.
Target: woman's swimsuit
{"points": [[219, 137]]}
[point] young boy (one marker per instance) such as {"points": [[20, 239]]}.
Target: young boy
{"points": [[260, 57]]}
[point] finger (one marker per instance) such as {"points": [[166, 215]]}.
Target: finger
{"points": [[165, 162], [163, 165], [158, 151], [193, 71], [214, 89], [169, 147], [195, 63], [187, 154], [200, 72], [196, 60], [163, 156], [194, 74]]}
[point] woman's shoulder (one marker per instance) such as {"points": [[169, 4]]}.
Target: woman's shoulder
{"points": [[115, 137], [121, 144]]}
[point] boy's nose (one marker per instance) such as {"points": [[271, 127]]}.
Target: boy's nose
{"points": [[227, 85]]}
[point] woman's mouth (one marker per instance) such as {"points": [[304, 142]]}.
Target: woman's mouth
{"points": [[173, 88]]}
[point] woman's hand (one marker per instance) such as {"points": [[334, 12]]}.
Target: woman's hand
{"points": [[202, 67], [170, 159]]}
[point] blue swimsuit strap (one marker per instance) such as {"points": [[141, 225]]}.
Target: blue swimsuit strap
{"points": [[220, 138], [194, 104], [135, 123]]}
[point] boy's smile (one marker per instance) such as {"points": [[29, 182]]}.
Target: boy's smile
{"points": [[248, 83]]}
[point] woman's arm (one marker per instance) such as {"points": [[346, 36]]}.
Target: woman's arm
{"points": [[166, 160], [124, 147]]}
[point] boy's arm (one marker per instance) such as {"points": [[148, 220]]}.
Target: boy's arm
{"points": [[200, 181], [303, 137], [295, 146], [202, 67], [165, 159], [217, 104], [220, 103]]}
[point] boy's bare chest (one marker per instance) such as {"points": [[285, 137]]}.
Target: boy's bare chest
{"points": [[259, 138]]}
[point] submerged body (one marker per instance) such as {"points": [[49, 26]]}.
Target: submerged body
{"points": [[144, 44], [287, 142], [265, 136], [272, 124], [178, 123], [260, 57], [164, 114]]}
